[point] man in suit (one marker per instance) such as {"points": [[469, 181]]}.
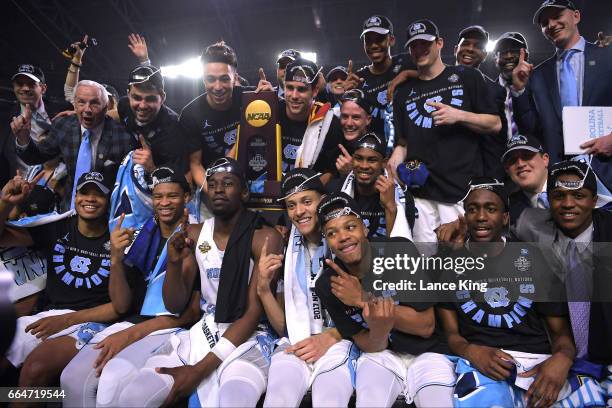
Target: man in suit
{"points": [[87, 141], [574, 229], [30, 88], [579, 74], [526, 164]]}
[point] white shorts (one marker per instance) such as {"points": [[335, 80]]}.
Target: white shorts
{"points": [[24, 342], [432, 214], [415, 372]]}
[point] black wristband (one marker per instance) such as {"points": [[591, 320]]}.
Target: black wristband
{"points": [[76, 65]]}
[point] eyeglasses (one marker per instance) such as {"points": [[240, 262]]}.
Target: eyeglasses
{"points": [[138, 79]]}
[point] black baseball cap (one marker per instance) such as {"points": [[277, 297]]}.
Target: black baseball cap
{"points": [[492, 184], [579, 168], [31, 71], [289, 54], [510, 40], [421, 30], [302, 70], [111, 91], [358, 96], [167, 174], [146, 73], [562, 4], [93, 177], [226, 165], [336, 204], [377, 24], [298, 180], [41, 200], [371, 141], [520, 142], [474, 31], [339, 70]]}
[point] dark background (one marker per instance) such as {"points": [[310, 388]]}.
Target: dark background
{"points": [[36, 31]]}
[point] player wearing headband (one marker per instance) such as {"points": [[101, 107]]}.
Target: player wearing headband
{"points": [[309, 130], [223, 357], [389, 335], [513, 339], [312, 352], [138, 268], [386, 210]]}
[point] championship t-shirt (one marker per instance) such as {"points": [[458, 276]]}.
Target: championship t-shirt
{"points": [[77, 266], [211, 130], [375, 88], [292, 134], [506, 315], [349, 319], [450, 152], [163, 135]]}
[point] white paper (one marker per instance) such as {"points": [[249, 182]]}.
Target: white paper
{"points": [[582, 123]]}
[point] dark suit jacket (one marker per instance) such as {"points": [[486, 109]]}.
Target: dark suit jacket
{"points": [[65, 138], [537, 225], [538, 109], [518, 202]]}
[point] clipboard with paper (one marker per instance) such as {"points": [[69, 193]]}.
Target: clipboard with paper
{"points": [[583, 123]]}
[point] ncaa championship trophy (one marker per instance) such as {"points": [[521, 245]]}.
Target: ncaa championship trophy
{"points": [[258, 148]]}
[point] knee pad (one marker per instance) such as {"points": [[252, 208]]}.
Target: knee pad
{"points": [[116, 374], [244, 371], [147, 389], [428, 369]]}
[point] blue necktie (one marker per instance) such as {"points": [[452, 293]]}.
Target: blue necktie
{"points": [[577, 289], [543, 200], [568, 88], [83, 164]]}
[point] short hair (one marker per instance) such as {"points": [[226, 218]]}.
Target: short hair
{"points": [[101, 89], [220, 52]]}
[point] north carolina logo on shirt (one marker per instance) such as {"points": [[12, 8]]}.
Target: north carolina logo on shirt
{"points": [[290, 151], [80, 264], [230, 137], [497, 297]]}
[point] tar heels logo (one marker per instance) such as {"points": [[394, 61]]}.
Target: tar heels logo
{"points": [[374, 21], [230, 137], [416, 28], [382, 97], [290, 151], [497, 297], [429, 108], [80, 264]]}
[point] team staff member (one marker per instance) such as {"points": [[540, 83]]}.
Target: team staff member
{"points": [[389, 335], [77, 249], [223, 356], [210, 121], [443, 111], [310, 131]]}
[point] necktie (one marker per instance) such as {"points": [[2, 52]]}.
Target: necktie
{"points": [[568, 88], [512, 126], [83, 164], [577, 289], [543, 200]]}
